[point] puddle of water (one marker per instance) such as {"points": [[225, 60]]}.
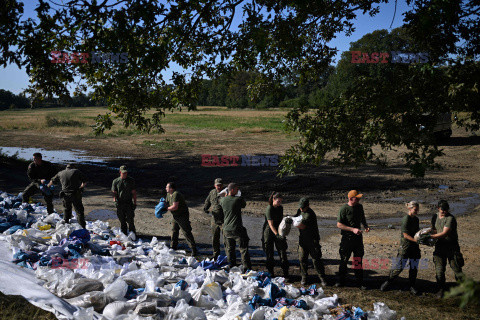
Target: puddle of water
{"points": [[55, 156], [59, 156]]}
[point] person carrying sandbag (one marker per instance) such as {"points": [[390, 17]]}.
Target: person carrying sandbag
{"points": [[39, 172], [447, 247], [233, 227], [309, 242], [212, 203], [271, 236], [181, 218], [409, 249]]}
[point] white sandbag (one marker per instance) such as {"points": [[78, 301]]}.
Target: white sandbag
{"points": [[78, 287], [138, 278], [117, 290], [296, 221], [225, 191], [213, 290], [146, 308], [292, 292], [236, 308], [382, 312], [323, 305], [95, 299], [285, 226], [422, 232], [178, 294], [161, 299], [83, 314], [115, 309], [185, 312]]}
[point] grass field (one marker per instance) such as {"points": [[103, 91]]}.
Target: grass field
{"points": [[190, 131], [219, 118]]}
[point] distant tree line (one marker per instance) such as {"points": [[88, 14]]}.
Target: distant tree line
{"points": [[9, 100], [233, 91]]}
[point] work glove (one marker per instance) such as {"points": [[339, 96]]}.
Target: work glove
{"points": [[288, 220], [280, 237]]}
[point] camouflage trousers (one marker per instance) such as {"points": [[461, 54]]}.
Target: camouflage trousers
{"points": [[231, 239]]}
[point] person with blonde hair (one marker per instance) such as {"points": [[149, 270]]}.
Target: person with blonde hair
{"points": [[409, 249]]}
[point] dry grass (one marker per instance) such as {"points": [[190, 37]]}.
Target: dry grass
{"points": [[208, 130], [18, 308]]}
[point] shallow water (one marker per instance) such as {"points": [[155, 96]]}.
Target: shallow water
{"points": [[55, 156]]}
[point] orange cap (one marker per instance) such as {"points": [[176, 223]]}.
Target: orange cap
{"points": [[354, 194]]}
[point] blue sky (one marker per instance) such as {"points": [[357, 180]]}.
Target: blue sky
{"points": [[16, 80]]}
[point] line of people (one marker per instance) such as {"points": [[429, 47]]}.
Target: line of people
{"points": [[225, 207]]}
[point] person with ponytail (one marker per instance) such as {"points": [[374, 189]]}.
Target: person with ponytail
{"points": [[271, 236], [409, 249]]}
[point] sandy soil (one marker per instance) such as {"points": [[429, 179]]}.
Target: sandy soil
{"points": [[385, 189]]}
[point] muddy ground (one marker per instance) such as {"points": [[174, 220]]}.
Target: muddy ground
{"points": [[385, 192]]}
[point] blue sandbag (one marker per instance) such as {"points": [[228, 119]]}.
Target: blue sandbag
{"points": [[5, 226], [14, 229], [182, 284], [214, 265], [81, 234], [48, 191], [264, 278], [161, 208]]}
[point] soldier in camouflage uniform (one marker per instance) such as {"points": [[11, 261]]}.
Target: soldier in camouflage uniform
{"points": [[309, 242], [447, 247], [181, 217], [125, 197], [39, 172], [233, 227], [73, 182], [213, 203]]}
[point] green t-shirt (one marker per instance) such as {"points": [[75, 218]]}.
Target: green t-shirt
{"points": [[410, 226], [275, 214], [124, 188], [309, 219], [352, 217], [70, 179], [232, 212], [451, 239], [177, 197]]}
